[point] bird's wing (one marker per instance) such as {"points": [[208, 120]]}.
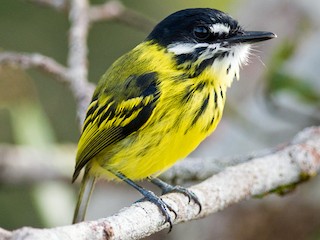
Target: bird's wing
{"points": [[115, 113]]}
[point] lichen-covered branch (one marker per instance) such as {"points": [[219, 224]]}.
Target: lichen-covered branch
{"points": [[4, 234], [290, 165]]}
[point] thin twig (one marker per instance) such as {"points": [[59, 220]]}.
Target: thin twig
{"points": [[77, 57], [76, 74], [110, 10], [115, 10], [136, 20], [60, 73], [198, 169], [36, 60], [107, 11]]}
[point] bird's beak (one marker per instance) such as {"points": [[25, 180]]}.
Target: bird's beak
{"points": [[251, 37]]}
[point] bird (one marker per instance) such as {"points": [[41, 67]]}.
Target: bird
{"points": [[158, 102]]}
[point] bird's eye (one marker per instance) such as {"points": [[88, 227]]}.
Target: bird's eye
{"points": [[201, 32]]}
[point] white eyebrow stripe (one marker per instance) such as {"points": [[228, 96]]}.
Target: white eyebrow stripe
{"points": [[185, 48], [219, 28]]}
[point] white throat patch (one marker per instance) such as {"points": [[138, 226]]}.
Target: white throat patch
{"points": [[226, 60]]}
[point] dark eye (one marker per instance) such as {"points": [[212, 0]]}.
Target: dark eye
{"points": [[201, 32]]}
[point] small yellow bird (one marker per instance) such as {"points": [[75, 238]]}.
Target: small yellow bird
{"points": [[156, 103]]}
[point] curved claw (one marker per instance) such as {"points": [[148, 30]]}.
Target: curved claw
{"points": [[189, 194], [167, 188], [150, 196], [163, 206]]}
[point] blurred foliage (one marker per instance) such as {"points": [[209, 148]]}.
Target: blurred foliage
{"points": [[28, 120], [278, 80], [18, 207]]}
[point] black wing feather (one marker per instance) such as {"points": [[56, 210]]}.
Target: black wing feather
{"points": [[106, 124]]}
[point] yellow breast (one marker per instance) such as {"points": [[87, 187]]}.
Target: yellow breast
{"points": [[187, 111]]}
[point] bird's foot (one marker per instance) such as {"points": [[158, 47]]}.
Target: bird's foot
{"points": [[167, 188], [163, 206]]}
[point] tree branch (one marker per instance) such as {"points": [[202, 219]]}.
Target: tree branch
{"points": [[76, 74], [77, 57], [81, 14], [107, 11], [110, 10], [38, 61], [115, 10], [51, 67], [4, 234], [288, 165], [291, 165]]}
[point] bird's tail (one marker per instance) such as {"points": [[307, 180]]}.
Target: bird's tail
{"points": [[87, 185]]}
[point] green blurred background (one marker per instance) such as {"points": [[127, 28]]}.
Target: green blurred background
{"points": [[278, 95]]}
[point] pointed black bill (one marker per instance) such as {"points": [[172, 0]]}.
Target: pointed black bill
{"points": [[251, 37]]}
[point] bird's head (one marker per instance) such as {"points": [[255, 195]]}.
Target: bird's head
{"points": [[204, 39]]}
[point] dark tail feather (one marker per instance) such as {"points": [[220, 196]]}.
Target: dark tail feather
{"points": [[86, 189]]}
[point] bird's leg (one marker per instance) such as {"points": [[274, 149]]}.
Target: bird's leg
{"points": [[167, 188], [150, 196]]}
